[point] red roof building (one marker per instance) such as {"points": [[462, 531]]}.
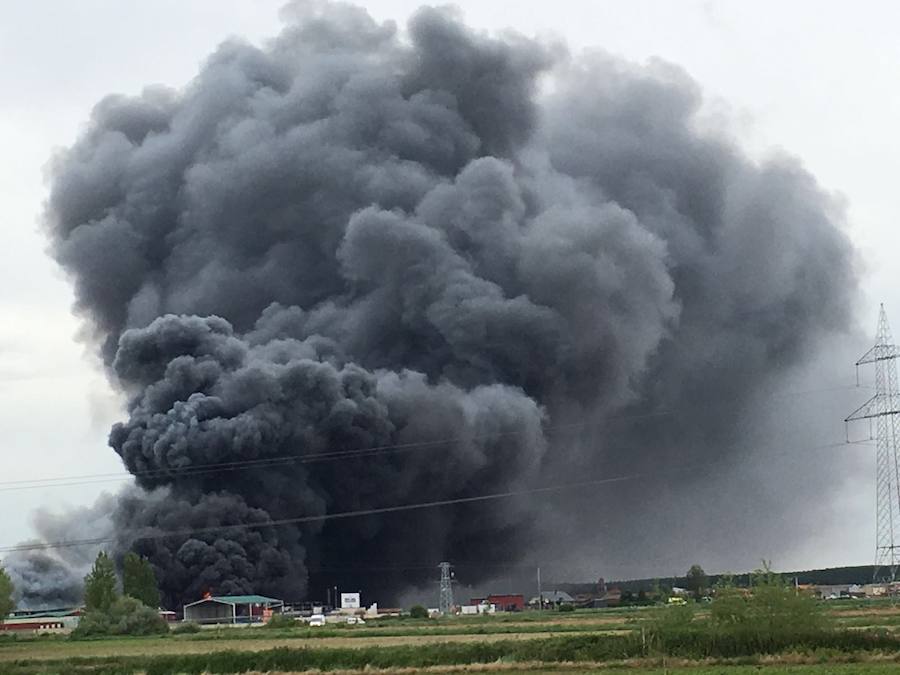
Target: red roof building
{"points": [[504, 603]]}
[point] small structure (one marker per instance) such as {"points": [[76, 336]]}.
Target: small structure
{"points": [[234, 609], [878, 590], [611, 597], [508, 602], [839, 591], [551, 598]]}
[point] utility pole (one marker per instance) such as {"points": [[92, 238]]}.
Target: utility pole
{"points": [[446, 597], [540, 593], [884, 409]]}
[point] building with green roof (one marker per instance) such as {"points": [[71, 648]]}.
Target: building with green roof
{"points": [[233, 609]]}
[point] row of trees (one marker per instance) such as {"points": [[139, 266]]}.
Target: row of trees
{"points": [[138, 582], [135, 612]]}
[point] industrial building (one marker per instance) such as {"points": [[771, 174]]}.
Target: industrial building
{"points": [[232, 609], [50, 621]]}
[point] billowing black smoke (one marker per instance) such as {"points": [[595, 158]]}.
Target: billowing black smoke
{"points": [[361, 238]]}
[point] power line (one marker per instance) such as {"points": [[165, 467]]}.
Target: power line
{"points": [[264, 462], [843, 387], [372, 511], [325, 516], [336, 455]]}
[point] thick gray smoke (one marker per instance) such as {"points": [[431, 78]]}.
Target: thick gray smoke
{"points": [[53, 578], [359, 237]]}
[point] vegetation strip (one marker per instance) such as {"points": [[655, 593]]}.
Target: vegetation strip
{"points": [[564, 649]]}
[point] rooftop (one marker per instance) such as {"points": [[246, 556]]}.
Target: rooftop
{"points": [[240, 600]]}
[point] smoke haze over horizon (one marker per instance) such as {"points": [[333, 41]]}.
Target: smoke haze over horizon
{"points": [[359, 236]]}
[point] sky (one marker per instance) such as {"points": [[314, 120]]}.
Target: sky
{"points": [[814, 79]]}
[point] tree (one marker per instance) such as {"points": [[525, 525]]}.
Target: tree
{"points": [[124, 616], [774, 608], [697, 581], [139, 581], [6, 593], [418, 612], [100, 585]]}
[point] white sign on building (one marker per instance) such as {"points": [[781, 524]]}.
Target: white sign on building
{"points": [[349, 600]]}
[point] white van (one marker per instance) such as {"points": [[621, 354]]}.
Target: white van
{"points": [[317, 620]]}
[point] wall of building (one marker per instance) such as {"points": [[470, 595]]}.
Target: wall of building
{"points": [[64, 624], [209, 611]]}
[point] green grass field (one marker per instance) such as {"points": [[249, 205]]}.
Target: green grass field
{"points": [[866, 640]]}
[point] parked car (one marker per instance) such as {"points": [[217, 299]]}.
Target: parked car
{"points": [[317, 620], [355, 620]]}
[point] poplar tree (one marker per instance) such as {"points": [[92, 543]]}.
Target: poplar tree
{"points": [[139, 581], [100, 585], [6, 593]]}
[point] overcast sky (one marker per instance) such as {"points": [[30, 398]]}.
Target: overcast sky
{"points": [[814, 79]]}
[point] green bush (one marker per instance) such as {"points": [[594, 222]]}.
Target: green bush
{"points": [[186, 628], [773, 618], [418, 612], [125, 616], [280, 621], [773, 608], [566, 608]]}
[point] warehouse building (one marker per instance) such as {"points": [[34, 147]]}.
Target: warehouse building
{"points": [[234, 609], [49, 621]]}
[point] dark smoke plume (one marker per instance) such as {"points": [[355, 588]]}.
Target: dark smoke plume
{"points": [[360, 237]]}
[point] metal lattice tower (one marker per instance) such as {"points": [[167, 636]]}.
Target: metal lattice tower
{"points": [[446, 599], [883, 409]]}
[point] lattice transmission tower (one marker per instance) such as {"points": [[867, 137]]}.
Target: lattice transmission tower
{"points": [[883, 412], [446, 599]]}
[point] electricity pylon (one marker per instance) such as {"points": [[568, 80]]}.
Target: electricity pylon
{"points": [[446, 599], [884, 410]]}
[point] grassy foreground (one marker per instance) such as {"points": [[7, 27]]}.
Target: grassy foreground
{"points": [[774, 630], [588, 650]]}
